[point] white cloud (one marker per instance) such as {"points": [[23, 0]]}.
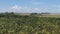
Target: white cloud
{"points": [[36, 9], [20, 9], [16, 7]]}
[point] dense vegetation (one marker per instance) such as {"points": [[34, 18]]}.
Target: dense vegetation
{"points": [[20, 24]]}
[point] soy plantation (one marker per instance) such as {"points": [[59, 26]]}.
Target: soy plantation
{"points": [[20, 24]]}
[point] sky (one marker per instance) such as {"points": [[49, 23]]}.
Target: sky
{"points": [[30, 6]]}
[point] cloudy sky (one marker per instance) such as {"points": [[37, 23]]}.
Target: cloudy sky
{"points": [[29, 6]]}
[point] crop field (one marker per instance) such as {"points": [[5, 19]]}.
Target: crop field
{"points": [[28, 24]]}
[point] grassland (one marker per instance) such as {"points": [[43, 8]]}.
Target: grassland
{"points": [[28, 24], [50, 15]]}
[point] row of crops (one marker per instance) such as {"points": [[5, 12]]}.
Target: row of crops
{"points": [[29, 25]]}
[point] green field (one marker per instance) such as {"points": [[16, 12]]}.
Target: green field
{"points": [[29, 24]]}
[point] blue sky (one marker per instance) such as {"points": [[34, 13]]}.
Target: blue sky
{"points": [[29, 6]]}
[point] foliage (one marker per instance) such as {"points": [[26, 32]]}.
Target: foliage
{"points": [[20, 24]]}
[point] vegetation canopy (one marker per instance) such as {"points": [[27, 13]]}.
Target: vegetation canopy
{"points": [[11, 23]]}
